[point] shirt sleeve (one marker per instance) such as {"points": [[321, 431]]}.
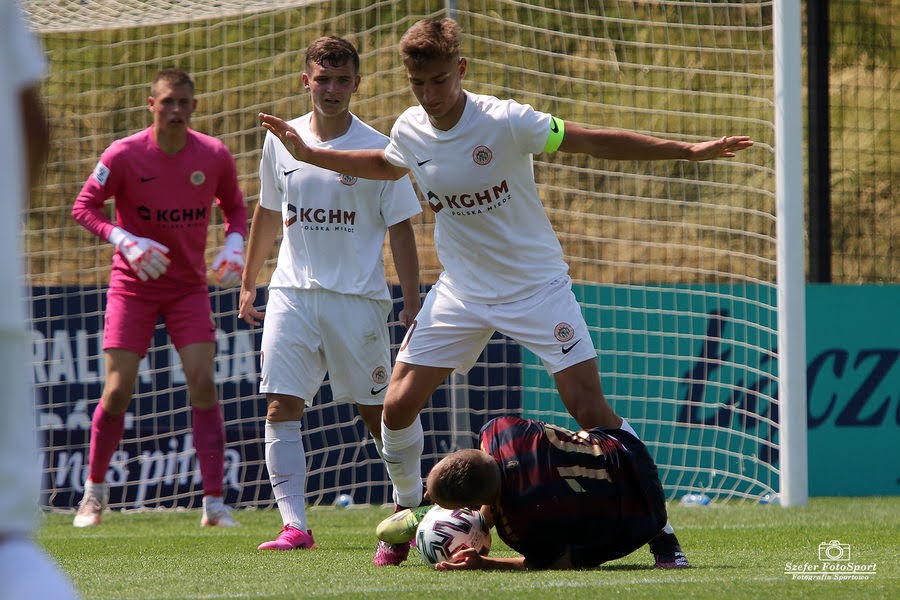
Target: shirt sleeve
{"points": [[229, 196], [271, 189], [99, 187], [530, 128], [392, 152], [399, 201]]}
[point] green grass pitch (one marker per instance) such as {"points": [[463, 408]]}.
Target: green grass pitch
{"points": [[737, 550]]}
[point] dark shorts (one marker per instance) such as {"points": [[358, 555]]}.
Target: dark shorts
{"points": [[642, 507], [606, 519]]}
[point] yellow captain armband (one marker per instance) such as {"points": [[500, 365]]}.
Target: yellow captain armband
{"points": [[557, 132]]}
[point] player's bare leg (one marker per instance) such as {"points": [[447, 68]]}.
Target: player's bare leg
{"points": [[371, 416], [582, 394]]}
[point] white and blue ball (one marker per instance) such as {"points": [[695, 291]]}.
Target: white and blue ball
{"points": [[442, 532], [343, 501]]}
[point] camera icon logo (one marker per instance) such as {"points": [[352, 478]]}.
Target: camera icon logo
{"points": [[834, 551]]}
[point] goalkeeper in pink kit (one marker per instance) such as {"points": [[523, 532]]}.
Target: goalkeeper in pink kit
{"points": [[165, 180]]}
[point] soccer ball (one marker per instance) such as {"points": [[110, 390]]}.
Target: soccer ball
{"points": [[343, 501], [443, 531]]}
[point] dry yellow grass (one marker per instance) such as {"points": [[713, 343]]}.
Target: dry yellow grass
{"points": [[618, 222]]}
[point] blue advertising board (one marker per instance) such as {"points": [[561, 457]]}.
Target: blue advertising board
{"points": [[155, 467], [710, 351], [694, 367], [853, 381]]}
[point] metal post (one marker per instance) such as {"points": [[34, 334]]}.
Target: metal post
{"points": [[818, 144], [790, 255]]}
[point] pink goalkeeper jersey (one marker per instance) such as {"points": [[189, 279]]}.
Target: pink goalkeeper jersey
{"points": [[165, 198]]}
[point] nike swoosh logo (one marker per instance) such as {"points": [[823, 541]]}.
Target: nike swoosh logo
{"points": [[567, 349], [555, 129], [286, 173], [275, 485], [422, 162], [378, 391], [146, 179]]}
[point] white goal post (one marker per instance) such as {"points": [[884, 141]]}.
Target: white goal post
{"points": [[685, 271]]}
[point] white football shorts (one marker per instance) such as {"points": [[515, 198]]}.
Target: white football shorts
{"points": [[451, 333], [309, 332]]}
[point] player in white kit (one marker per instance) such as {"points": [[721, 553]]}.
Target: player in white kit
{"points": [[328, 299], [25, 570], [503, 265]]}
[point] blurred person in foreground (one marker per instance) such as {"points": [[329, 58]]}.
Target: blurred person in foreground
{"points": [[504, 271], [25, 569], [328, 300], [165, 180]]}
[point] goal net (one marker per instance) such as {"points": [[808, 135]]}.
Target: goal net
{"points": [[673, 262]]}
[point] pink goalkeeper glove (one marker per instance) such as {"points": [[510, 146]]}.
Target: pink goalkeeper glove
{"points": [[229, 263], [146, 257]]}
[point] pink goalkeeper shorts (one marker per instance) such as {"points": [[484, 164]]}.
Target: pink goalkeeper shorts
{"points": [[131, 316]]}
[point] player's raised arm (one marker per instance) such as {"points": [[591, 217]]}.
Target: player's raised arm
{"points": [[617, 144], [368, 164]]}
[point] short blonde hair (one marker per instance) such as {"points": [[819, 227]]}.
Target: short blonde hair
{"points": [[430, 39]]}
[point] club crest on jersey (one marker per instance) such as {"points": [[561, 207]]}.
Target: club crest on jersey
{"points": [[482, 155], [101, 173], [347, 179], [564, 332], [198, 177], [379, 375]]}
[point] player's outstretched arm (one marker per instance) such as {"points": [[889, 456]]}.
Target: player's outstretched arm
{"points": [[724, 147], [617, 144], [468, 559], [365, 163]]}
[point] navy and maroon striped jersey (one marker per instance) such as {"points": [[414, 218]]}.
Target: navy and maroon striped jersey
{"points": [[594, 492]]}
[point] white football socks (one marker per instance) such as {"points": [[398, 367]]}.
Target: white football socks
{"points": [[402, 452], [286, 462]]}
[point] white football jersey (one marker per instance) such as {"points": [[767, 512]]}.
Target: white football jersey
{"points": [[491, 234], [22, 64], [334, 225]]}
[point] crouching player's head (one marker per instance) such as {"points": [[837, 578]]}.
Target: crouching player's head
{"points": [[464, 479]]}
